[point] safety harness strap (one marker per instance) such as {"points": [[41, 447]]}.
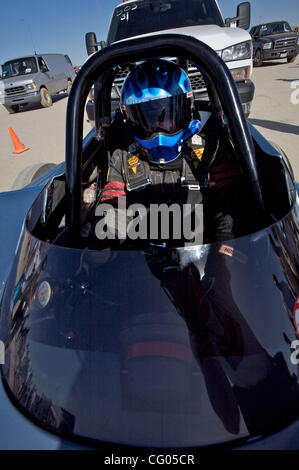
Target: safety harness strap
{"points": [[188, 179], [136, 172]]}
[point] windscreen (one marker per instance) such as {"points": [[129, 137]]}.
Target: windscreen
{"points": [[146, 16], [275, 28], [18, 67], [159, 347]]}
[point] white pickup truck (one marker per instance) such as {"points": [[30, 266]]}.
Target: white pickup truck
{"points": [[201, 19]]}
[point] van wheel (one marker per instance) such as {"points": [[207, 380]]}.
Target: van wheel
{"points": [[258, 60], [45, 98], [12, 109], [31, 173], [69, 86]]}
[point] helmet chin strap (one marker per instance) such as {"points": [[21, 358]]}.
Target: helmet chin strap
{"points": [[163, 149]]}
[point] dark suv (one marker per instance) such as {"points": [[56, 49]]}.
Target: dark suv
{"points": [[274, 41]]}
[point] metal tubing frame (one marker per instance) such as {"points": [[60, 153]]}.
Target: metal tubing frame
{"points": [[135, 50]]}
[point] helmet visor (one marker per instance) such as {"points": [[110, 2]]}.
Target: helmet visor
{"points": [[167, 115]]}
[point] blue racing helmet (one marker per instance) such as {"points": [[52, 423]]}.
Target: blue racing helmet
{"points": [[157, 103]]}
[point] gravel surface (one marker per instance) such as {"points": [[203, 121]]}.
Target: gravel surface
{"points": [[40, 129], [273, 113]]}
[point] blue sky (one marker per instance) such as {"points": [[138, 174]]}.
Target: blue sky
{"points": [[60, 25]]}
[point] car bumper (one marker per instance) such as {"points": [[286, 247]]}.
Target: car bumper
{"points": [[270, 54], [90, 111], [246, 93], [33, 97]]}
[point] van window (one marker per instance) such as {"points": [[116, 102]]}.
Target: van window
{"points": [[42, 65], [146, 16], [69, 60], [24, 66]]}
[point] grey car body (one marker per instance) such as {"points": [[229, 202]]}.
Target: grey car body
{"points": [[35, 78], [20, 432]]}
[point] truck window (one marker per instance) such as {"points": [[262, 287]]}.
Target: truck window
{"points": [[275, 28], [254, 31], [146, 16]]}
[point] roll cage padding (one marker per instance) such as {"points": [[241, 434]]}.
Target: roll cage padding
{"points": [[135, 50]]}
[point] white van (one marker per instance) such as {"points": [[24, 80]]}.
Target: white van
{"points": [[201, 19], [35, 78]]}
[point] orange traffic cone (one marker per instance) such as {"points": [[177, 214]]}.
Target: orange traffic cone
{"points": [[19, 147]]}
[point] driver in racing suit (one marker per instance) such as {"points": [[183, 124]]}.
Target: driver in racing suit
{"points": [[167, 162]]}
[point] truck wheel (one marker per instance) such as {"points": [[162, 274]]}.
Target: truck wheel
{"points": [[291, 59], [12, 109], [30, 173], [258, 60], [45, 98], [69, 86]]}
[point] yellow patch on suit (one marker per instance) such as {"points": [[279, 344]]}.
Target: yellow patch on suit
{"points": [[133, 162], [196, 156]]}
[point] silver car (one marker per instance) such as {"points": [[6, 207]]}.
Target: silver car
{"points": [[35, 78]]}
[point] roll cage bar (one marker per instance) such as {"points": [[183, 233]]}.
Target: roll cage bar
{"points": [[221, 87]]}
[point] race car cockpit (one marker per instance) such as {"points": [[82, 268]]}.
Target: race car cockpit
{"points": [[155, 344], [266, 190]]}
